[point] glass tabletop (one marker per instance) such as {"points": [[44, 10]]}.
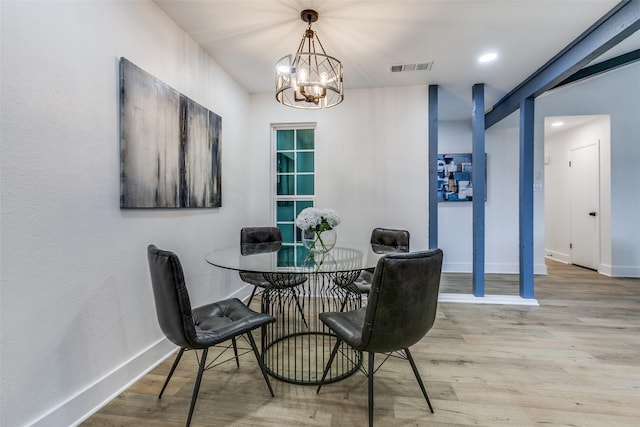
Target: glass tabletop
{"points": [[277, 258]]}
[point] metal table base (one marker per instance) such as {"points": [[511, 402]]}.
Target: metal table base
{"points": [[296, 348]]}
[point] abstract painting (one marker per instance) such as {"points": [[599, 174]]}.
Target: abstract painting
{"points": [[169, 146], [454, 178]]}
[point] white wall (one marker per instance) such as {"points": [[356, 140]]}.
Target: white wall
{"points": [[501, 207], [371, 162], [371, 152], [78, 320], [616, 93]]}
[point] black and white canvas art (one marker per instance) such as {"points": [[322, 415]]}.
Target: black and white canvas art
{"points": [[169, 146]]}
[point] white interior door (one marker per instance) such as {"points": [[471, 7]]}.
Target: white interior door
{"points": [[584, 190]]}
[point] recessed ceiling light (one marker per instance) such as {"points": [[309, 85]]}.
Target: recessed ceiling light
{"points": [[488, 57], [557, 124]]}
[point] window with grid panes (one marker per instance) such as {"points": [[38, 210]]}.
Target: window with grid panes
{"points": [[295, 182]]}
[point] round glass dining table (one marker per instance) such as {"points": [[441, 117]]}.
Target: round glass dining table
{"points": [[297, 346]]}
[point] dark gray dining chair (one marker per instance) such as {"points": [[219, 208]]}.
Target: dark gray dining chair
{"points": [[390, 237], [400, 311], [255, 240], [383, 240], [202, 327]]}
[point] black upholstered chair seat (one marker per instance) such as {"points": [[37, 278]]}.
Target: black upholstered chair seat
{"points": [[362, 285], [223, 320], [258, 279], [347, 325]]}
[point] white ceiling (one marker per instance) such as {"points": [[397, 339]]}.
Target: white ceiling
{"points": [[247, 37]]}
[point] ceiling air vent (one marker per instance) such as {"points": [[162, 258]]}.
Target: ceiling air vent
{"points": [[421, 66]]}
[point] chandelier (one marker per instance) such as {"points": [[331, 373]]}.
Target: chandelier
{"points": [[309, 79]]}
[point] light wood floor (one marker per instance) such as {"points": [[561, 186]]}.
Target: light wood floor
{"points": [[572, 361]]}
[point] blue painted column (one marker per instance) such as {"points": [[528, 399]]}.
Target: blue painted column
{"points": [[526, 197], [433, 166], [478, 178]]}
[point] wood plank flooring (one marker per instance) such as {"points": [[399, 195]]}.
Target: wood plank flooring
{"points": [[572, 361]]}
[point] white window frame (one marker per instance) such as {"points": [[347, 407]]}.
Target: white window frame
{"points": [[274, 173]]}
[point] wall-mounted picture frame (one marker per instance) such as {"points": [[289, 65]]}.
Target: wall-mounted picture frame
{"points": [[455, 182], [170, 146]]}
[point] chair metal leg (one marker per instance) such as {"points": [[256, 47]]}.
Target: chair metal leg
{"points": [[326, 369], [344, 303], [265, 303], [196, 387], [417, 374], [260, 362], [346, 297], [173, 368], [301, 311], [370, 378], [252, 294], [235, 350]]}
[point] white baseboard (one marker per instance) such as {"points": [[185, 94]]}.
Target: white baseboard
{"points": [[605, 269], [89, 400], [86, 402], [619, 270], [487, 299], [557, 256]]}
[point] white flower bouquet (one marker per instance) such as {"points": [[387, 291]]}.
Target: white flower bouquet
{"points": [[316, 221]]}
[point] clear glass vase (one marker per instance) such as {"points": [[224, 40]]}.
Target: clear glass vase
{"points": [[319, 242]]}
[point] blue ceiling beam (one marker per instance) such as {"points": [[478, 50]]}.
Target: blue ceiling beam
{"points": [[602, 67], [621, 22]]}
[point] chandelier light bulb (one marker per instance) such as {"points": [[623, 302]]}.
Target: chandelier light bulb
{"points": [[302, 76], [284, 69]]}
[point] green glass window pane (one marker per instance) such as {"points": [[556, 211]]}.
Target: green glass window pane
{"points": [[285, 185], [285, 211], [303, 204], [286, 256], [285, 162], [304, 139], [285, 139], [305, 184], [287, 231], [305, 162], [301, 253]]}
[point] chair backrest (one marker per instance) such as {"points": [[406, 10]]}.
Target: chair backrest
{"points": [[256, 240], [402, 303], [398, 239], [173, 307], [260, 235]]}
